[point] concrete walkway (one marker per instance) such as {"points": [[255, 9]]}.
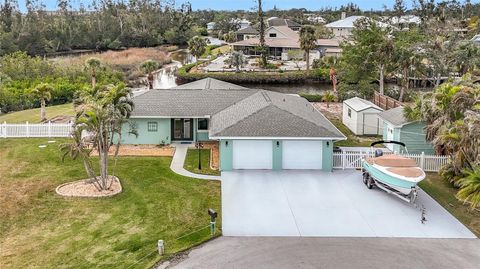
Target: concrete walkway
{"points": [[179, 160], [301, 252]]}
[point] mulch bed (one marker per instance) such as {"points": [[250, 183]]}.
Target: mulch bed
{"points": [[84, 188], [333, 111], [142, 150], [214, 153]]}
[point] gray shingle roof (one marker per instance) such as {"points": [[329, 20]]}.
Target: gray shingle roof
{"points": [[394, 116], [271, 114], [209, 84], [248, 31], [237, 111], [186, 103]]}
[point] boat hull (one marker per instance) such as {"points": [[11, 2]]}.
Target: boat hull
{"points": [[399, 184]]}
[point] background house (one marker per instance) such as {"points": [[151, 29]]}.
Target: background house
{"points": [[397, 127], [343, 28], [361, 117], [280, 40]]}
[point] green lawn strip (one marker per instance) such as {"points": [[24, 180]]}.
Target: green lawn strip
{"points": [[191, 162], [444, 193], [41, 229], [33, 115], [352, 139]]}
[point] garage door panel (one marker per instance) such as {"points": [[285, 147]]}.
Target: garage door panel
{"points": [[302, 155], [252, 154]]}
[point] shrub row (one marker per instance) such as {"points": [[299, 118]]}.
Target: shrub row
{"points": [[251, 77]]}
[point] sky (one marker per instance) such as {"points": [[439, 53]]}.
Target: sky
{"points": [[248, 4]]}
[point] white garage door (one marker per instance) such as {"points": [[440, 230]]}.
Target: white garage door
{"points": [[252, 154], [302, 154]]}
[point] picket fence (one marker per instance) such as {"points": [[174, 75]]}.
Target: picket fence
{"points": [[35, 130], [353, 160]]}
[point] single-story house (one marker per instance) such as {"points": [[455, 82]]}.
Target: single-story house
{"points": [[280, 40], [255, 129], [397, 127], [361, 116]]}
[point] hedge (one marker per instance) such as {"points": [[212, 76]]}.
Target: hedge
{"points": [[252, 77]]}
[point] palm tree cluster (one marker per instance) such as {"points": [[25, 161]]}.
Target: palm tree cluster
{"points": [[99, 124], [452, 115]]}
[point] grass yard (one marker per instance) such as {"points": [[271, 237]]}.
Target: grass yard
{"points": [[352, 139], [444, 194], [39, 229], [191, 162], [33, 115]]}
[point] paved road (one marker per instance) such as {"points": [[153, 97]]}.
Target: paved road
{"points": [[295, 252]]}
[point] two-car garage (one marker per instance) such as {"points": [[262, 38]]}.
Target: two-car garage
{"points": [[277, 154]]}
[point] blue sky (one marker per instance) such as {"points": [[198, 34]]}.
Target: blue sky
{"points": [[248, 4]]}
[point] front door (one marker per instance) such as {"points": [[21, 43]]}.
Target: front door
{"points": [[182, 129]]}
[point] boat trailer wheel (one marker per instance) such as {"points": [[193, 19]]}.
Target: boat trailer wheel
{"points": [[365, 177], [370, 183]]}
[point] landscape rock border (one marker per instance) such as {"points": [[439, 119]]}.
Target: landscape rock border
{"points": [[87, 190]]}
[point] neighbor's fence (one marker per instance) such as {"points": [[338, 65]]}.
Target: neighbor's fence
{"points": [[385, 102], [353, 160], [35, 130]]}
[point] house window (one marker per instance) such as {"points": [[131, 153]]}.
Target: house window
{"points": [[349, 113], [272, 35], [202, 124], [152, 126]]}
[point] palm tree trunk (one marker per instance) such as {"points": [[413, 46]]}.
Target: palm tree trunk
{"points": [[307, 59], [404, 85], [381, 82], [94, 79], [43, 113]]}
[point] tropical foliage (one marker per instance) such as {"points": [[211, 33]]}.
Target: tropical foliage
{"points": [[452, 115], [237, 59], [42, 92], [308, 42], [148, 67], [100, 119], [197, 46]]}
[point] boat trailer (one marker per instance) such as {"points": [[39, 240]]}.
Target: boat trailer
{"points": [[370, 182]]}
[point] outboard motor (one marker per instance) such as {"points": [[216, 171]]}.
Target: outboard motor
{"points": [[378, 152]]}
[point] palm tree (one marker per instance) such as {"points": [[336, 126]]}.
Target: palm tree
{"points": [[103, 115], [308, 42], [149, 66], [42, 92], [470, 187], [238, 60], [466, 57], [197, 46], [328, 97], [262, 48], [92, 65], [230, 37]]}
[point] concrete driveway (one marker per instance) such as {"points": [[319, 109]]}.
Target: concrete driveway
{"points": [[315, 203]]}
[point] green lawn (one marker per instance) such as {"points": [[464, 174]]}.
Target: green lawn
{"points": [[352, 139], [191, 162], [33, 115], [43, 230], [444, 194]]}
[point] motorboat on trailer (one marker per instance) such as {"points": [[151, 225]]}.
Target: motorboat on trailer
{"points": [[393, 173]]}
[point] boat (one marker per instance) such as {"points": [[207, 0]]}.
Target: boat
{"points": [[393, 173]]}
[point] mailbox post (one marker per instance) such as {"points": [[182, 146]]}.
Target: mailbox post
{"points": [[213, 219], [199, 146]]}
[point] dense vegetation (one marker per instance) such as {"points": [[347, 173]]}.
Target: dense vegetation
{"points": [[21, 73], [452, 115]]}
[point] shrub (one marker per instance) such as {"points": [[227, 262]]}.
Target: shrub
{"points": [[364, 89], [312, 97]]}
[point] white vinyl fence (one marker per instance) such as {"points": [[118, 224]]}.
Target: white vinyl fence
{"points": [[35, 130], [353, 160]]}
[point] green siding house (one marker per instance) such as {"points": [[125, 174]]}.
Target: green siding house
{"points": [[396, 127], [255, 129]]}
